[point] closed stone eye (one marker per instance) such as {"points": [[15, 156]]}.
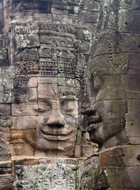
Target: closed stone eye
{"points": [[67, 106]]}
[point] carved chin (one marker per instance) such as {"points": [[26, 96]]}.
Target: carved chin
{"points": [[104, 132], [62, 143], [93, 138]]}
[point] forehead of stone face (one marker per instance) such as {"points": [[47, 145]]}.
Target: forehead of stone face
{"points": [[68, 87], [47, 87], [53, 87], [99, 66]]}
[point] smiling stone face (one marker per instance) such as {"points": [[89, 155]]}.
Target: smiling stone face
{"points": [[51, 109], [57, 115]]}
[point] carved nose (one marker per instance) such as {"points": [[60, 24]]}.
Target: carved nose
{"points": [[56, 119], [87, 107]]}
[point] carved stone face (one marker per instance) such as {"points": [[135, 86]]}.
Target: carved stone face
{"points": [[105, 103], [52, 109], [57, 115]]}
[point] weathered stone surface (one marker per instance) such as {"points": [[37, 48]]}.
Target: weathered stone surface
{"points": [[24, 109], [6, 164], [25, 160], [23, 135], [5, 157], [5, 121], [62, 172], [27, 28], [23, 142], [131, 155], [111, 102], [20, 149], [32, 83], [24, 40], [4, 109], [4, 171], [126, 24], [90, 176], [112, 158], [125, 178], [88, 148], [25, 122], [5, 136], [6, 178], [45, 47], [4, 148]]}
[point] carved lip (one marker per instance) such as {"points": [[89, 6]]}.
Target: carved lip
{"points": [[57, 134], [56, 131], [56, 137], [94, 126], [93, 122], [93, 119]]}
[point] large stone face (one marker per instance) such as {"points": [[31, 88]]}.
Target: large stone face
{"points": [[112, 84], [111, 102]]}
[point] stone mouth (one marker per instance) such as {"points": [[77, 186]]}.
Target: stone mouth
{"points": [[56, 137], [93, 126], [56, 131]]}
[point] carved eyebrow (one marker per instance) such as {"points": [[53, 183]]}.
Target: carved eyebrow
{"points": [[43, 99], [46, 97], [68, 97]]}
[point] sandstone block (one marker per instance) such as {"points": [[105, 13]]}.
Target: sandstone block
{"points": [[4, 109], [132, 130], [33, 54], [128, 21], [123, 178], [26, 28], [131, 155], [4, 148], [6, 164], [21, 149], [87, 150], [49, 90], [133, 106], [27, 40], [32, 83], [23, 136], [25, 160], [4, 171], [92, 5], [4, 158], [6, 178], [112, 115], [77, 151], [47, 80], [24, 109], [7, 186], [31, 95], [112, 157], [115, 89], [91, 17], [25, 122], [115, 177], [5, 136]]}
